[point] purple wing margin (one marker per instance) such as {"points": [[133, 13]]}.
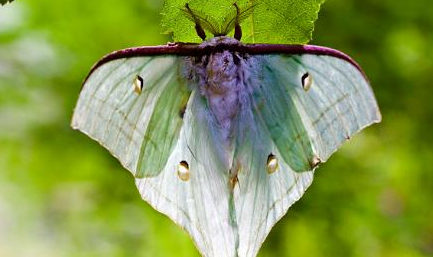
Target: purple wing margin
{"points": [[197, 50]]}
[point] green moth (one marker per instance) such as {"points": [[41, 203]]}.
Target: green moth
{"points": [[223, 137]]}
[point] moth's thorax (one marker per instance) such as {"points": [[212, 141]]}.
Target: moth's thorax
{"points": [[218, 41], [220, 77]]}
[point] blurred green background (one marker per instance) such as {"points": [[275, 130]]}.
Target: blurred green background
{"points": [[61, 194]]}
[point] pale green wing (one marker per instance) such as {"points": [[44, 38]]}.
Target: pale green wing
{"points": [[199, 203], [277, 110], [338, 104], [186, 175], [134, 119], [138, 130], [162, 132]]}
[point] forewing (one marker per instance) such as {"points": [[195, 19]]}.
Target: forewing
{"points": [[276, 109], [162, 132], [111, 111], [338, 104]]}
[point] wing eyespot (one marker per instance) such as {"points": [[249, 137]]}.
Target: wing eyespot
{"points": [[307, 81], [138, 84], [183, 171], [272, 163]]}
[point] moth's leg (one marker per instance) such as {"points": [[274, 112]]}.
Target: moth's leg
{"points": [[238, 31], [198, 28]]}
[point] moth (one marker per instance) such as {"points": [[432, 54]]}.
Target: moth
{"points": [[223, 137]]}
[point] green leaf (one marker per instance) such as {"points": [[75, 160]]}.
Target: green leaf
{"points": [[270, 21], [3, 2]]}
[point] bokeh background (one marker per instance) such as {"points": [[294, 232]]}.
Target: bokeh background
{"points": [[61, 194]]}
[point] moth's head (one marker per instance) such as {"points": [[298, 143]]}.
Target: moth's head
{"points": [[221, 40], [232, 21]]}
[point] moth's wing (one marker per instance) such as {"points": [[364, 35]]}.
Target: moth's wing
{"points": [[276, 109], [200, 205], [139, 129], [110, 112], [339, 103], [268, 123], [261, 199]]}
